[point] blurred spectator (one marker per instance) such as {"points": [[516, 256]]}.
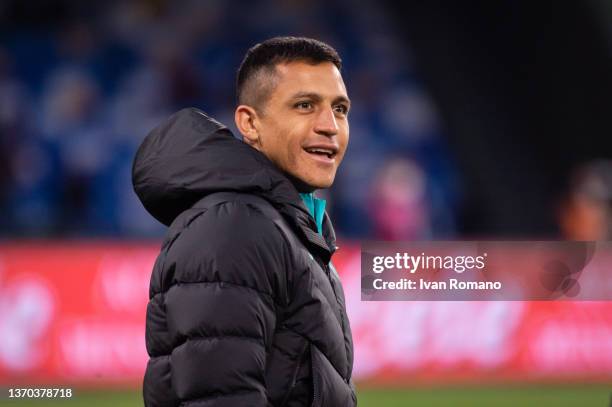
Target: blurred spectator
{"points": [[399, 207], [586, 211], [24, 163], [73, 124]]}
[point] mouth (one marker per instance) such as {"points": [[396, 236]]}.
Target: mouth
{"points": [[322, 153]]}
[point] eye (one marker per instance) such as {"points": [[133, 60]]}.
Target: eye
{"points": [[303, 105], [342, 109]]}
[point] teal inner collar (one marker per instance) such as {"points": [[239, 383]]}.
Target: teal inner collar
{"points": [[316, 207]]}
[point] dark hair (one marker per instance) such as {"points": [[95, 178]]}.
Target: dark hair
{"points": [[263, 57]]}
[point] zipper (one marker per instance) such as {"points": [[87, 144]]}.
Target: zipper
{"points": [[327, 271], [295, 373], [331, 282], [342, 321], [315, 392]]}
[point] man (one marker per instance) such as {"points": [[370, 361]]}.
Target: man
{"points": [[245, 307]]}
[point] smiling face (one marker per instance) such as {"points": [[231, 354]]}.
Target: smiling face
{"points": [[303, 126]]}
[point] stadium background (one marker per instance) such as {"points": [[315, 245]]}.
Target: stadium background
{"points": [[470, 121]]}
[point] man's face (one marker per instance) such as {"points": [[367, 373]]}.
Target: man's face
{"points": [[304, 128]]}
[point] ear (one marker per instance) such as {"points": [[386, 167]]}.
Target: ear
{"points": [[247, 122]]}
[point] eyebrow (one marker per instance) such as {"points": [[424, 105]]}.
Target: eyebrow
{"points": [[317, 97]]}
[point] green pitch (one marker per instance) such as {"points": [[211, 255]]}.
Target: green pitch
{"points": [[506, 396], [510, 396]]}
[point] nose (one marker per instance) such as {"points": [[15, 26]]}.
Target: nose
{"points": [[326, 123]]}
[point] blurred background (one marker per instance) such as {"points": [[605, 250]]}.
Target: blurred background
{"points": [[469, 121]]}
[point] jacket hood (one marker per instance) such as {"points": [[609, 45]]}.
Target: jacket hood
{"points": [[191, 155]]}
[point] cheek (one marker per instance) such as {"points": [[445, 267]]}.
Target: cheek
{"points": [[295, 152], [343, 139], [285, 146], [292, 143], [273, 141]]}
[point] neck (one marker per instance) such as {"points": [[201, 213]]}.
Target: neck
{"points": [[300, 185]]}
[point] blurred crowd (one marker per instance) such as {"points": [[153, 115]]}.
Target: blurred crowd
{"points": [[585, 210], [78, 96]]}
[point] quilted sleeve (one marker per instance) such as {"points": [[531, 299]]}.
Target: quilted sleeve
{"points": [[208, 335]]}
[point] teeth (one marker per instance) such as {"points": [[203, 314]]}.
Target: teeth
{"points": [[319, 150]]}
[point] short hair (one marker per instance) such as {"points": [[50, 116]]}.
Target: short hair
{"points": [[256, 79]]}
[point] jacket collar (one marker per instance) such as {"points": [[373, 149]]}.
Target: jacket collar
{"points": [[324, 245]]}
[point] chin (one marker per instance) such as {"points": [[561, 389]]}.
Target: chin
{"points": [[321, 183], [309, 183]]}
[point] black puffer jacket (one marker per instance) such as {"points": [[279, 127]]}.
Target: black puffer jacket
{"points": [[244, 308]]}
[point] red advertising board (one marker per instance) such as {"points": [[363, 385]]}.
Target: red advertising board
{"points": [[73, 313]]}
